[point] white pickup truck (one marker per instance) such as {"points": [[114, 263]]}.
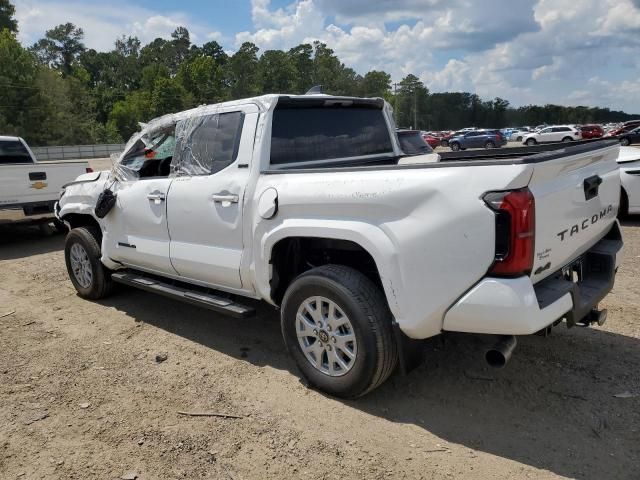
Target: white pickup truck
{"points": [[30, 189], [309, 203]]}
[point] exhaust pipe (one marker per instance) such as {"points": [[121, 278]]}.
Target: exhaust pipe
{"points": [[500, 353]]}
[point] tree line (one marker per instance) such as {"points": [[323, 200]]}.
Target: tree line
{"points": [[58, 92]]}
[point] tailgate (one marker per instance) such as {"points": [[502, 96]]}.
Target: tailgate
{"points": [[37, 182], [577, 193]]}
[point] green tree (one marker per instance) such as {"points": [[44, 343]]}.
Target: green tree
{"points": [[167, 97], [7, 20], [302, 62], [61, 47], [242, 71], [19, 95], [277, 72], [375, 84], [411, 103], [127, 113], [202, 78]]}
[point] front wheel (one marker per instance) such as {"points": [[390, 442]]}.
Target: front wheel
{"points": [[531, 142], [455, 147], [89, 276], [624, 142], [337, 327], [489, 145]]}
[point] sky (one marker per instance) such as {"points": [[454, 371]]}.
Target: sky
{"points": [[568, 52]]}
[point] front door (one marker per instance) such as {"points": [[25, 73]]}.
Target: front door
{"points": [[136, 231], [205, 203]]}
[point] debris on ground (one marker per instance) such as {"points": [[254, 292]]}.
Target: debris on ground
{"points": [[208, 414], [161, 357], [626, 395]]}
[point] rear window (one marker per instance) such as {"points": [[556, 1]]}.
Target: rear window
{"points": [[412, 143], [311, 134], [13, 151]]}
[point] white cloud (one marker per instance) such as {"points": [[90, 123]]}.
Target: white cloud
{"points": [[102, 24], [528, 51]]}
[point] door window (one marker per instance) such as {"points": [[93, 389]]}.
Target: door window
{"points": [[207, 144], [13, 151], [149, 155]]}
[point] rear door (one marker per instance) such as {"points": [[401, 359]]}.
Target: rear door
{"points": [[576, 199], [473, 140], [206, 200]]}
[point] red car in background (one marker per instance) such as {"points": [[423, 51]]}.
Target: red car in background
{"points": [[619, 131], [431, 140], [591, 131]]}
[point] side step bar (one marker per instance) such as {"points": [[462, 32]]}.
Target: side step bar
{"points": [[194, 297]]}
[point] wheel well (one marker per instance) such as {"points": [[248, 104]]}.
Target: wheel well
{"points": [[295, 255], [76, 220]]}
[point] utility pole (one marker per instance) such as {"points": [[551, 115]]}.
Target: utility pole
{"points": [[397, 108], [415, 108]]}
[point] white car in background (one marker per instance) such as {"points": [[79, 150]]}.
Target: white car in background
{"points": [[629, 162], [556, 133]]}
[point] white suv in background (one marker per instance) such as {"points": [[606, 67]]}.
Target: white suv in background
{"points": [[557, 133]]}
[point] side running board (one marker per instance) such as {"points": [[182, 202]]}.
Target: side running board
{"points": [[184, 294]]}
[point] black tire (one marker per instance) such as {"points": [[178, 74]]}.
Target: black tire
{"points": [[567, 140], [89, 239], [624, 141], [455, 147], [518, 139], [489, 145], [444, 143], [366, 308], [531, 142]]}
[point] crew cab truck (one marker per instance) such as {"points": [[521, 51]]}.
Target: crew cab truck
{"points": [[308, 203], [30, 189]]}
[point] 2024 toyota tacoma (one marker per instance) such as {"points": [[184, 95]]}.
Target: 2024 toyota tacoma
{"points": [[309, 203]]}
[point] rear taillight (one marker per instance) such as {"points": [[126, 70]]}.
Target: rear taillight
{"points": [[89, 170], [515, 231]]}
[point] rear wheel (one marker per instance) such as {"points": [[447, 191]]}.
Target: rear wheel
{"points": [[531, 142], [624, 141], [444, 143], [567, 139], [489, 145], [455, 147], [82, 254], [337, 327]]}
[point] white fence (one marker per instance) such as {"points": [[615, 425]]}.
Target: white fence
{"points": [[76, 152]]}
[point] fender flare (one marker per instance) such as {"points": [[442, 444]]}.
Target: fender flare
{"points": [[371, 238]]}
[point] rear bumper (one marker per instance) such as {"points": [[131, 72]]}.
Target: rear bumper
{"points": [[27, 212], [514, 306]]}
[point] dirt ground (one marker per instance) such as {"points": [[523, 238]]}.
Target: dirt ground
{"points": [[83, 397]]}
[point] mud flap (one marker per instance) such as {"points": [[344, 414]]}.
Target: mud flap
{"points": [[410, 351]]}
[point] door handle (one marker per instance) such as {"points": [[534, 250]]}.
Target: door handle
{"points": [[225, 197], [157, 197]]}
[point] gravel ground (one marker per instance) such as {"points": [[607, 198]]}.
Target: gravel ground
{"points": [[82, 395]]}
